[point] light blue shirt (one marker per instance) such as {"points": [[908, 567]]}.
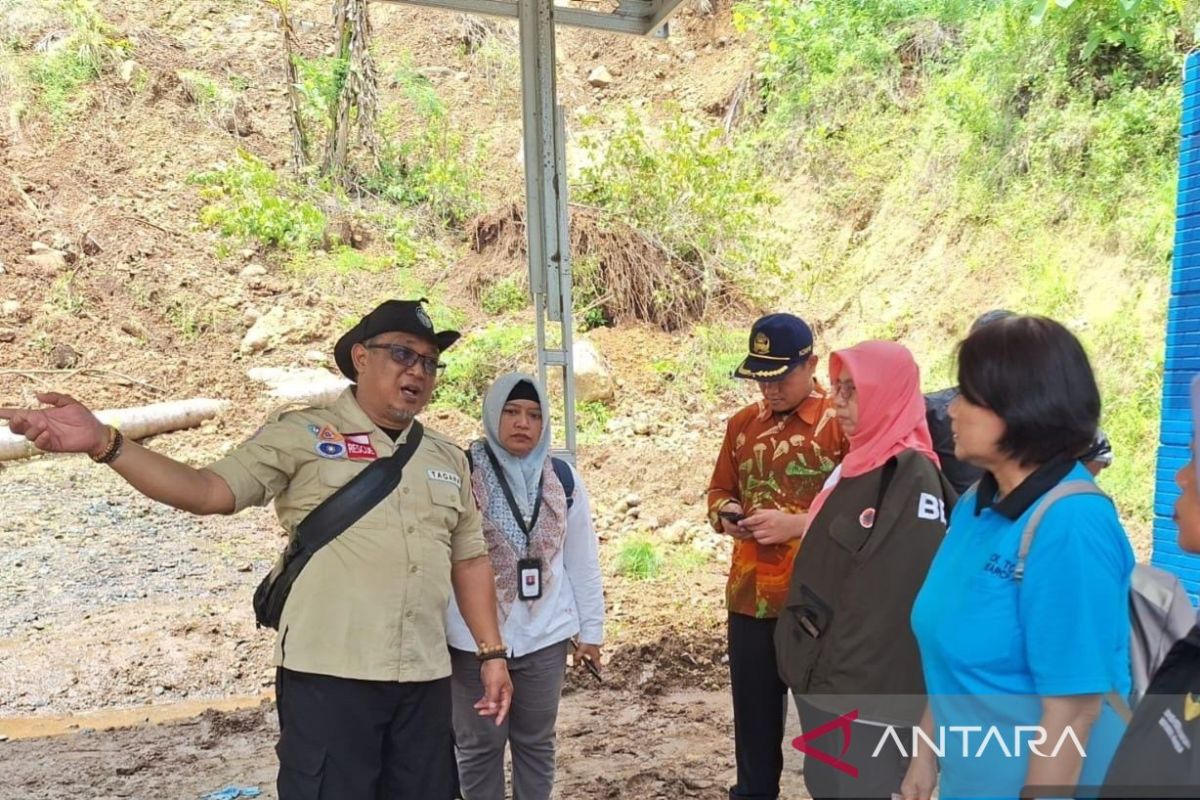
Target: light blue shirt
{"points": [[991, 646]]}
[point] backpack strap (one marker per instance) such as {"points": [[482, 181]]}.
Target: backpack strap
{"points": [[1065, 489], [562, 470]]}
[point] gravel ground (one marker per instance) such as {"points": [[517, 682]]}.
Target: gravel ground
{"points": [[111, 599]]}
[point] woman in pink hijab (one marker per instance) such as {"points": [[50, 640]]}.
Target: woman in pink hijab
{"points": [[844, 644]]}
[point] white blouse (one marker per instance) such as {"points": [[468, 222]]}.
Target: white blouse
{"points": [[573, 603]]}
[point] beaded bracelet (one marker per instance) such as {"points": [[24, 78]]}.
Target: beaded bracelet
{"points": [[116, 442], [488, 652]]}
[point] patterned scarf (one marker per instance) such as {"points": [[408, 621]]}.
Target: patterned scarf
{"points": [[505, 539]]}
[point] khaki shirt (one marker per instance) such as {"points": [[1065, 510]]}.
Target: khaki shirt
{"points": [[371, 604]]}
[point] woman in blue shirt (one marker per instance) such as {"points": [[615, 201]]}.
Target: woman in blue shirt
{"points": [[1017, 665]]}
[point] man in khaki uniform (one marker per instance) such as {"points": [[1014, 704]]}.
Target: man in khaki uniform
{"points": [[363, 683]]}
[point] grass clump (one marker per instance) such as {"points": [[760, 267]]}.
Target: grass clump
{"points": [[639, 558], [506, 294], [341, 260], [591, 420], [706, 365], [58, 74]]}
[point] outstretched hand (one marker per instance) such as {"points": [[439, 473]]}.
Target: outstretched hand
{"points": [[67, 426]]}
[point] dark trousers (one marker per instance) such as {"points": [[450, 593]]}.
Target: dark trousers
{"points": [[344, 739], [878, 776], [759, 708]]}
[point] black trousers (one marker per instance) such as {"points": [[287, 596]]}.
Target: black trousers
{"points": [[344, 739], [759, 708], [878, 776]]}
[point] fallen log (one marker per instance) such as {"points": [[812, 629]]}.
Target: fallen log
{"points": [[310, 386], [136, 423]]}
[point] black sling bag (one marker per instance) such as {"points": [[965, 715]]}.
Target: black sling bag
{"points": [[327, 521]]}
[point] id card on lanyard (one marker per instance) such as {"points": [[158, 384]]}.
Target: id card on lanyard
{"points": [[529, 570]]}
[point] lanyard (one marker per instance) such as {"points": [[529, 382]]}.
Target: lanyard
{"points": [[526, 529]]}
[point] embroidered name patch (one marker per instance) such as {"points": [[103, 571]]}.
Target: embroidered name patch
{"points": [[442, 475]]}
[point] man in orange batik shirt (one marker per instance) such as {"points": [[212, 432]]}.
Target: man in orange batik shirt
{"points": [[775, 458]]}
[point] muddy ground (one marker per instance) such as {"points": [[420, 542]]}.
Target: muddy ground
{"points": [[611, 744], [118, 611]]}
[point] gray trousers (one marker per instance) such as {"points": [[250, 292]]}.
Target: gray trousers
{"points": [[537, 684]]}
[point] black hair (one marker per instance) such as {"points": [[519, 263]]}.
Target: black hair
{"points": [[988, 317], [1034, 374]]}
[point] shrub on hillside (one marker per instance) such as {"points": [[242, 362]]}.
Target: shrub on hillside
{"points": [[248, 201], [704, 203], [428, 162], [475, 362]]}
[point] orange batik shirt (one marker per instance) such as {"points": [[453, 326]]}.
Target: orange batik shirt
{"points": [[769, 462]]}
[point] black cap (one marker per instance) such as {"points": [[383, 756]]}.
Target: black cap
{"points": [[405, 316], [778, 342]]}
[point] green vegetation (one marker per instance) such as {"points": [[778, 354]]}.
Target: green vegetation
{"points": [[478, 359], [58, 76], [248, 201], [706, 363], [206, 92], [320, 81], [192, 317], [65, 297], [506, 294], [1037, 138], [589, 292], [700, 198], [591, 420], [642, 557], [340, 260], [639, 558], [430, 166]]}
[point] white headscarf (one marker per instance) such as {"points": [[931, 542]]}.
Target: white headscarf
{"points": [[521, 473]]}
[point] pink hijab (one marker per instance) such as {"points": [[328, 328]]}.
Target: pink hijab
{"points": [[891, 409]]}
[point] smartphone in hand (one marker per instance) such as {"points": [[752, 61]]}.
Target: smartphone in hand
{"points": [[587, 662]]}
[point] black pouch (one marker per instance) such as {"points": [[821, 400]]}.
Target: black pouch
{"points": [[327, 521]]}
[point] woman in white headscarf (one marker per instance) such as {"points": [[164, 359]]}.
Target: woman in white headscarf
{"points": [[537, 523]]}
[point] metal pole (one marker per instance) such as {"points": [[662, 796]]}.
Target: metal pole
{"points": [[546, 218]]}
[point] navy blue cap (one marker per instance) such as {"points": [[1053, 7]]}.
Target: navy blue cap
{"points": [[778, 342]]}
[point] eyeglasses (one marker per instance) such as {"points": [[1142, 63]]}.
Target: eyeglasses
{"points": [[406, 357], [844, 390]]}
